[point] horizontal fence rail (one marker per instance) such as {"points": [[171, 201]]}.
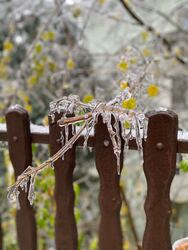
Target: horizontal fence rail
{"points": [[40, 134], [163, 142]]}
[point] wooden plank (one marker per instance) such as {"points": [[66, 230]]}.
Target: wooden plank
{"points": [[40, 134], [110, 235], [159, 167], [65, 225], [19, 140]]}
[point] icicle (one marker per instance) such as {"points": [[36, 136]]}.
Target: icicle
{"points": [[118, 165], [90, 149], [17, 201], [145, 129], [73, 129], [52, 164], [138, 135], [112, 134], [86, 136], [116, 127], [13, 194], [117, 149], [24, 185], [71, 107], [53, 117], [66, 133], [31, 193], [62, 139], [125, 138]]}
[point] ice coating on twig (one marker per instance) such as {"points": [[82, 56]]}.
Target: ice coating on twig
{"points": [[85, 117]]}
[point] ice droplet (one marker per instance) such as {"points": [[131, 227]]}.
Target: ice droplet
{"points": [[52, 164], [31, 193], [66, 133]]}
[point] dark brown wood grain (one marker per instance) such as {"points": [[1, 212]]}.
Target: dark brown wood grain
{"points": [[65, 225], [110, 235], [43, 138], [19, 141], [159, 167]]}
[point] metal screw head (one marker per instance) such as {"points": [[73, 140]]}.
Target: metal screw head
{"points": [[160, 146], [106, 143], [15, 138]]}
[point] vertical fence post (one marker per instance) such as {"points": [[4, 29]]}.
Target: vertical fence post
{"points": [[110, 235], [65, 225], [159, 167], [19, 141]]}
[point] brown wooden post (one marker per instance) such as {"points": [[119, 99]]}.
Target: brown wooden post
{"points": [[110, 235], [19, 141], [65, 225], [159, 167]]}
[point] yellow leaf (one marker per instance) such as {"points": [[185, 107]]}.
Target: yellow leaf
{"points": [[39, 68], [8, 46], [144, 35], [124, 85], [38, 48], [122, 184], [28, 107], [178, 52], [152, 90], [127, 125], [129, 104], [88, 98], [101, 2], [25, 98], [93, 244], [32, 80], [48, 36], [6, 59], [126, 245], [70, 64], [76, 12], [45, 121], [122, 66], [124, 210], [133, 60], [3, 71], [2, 119], [146, 52], [52, 66]]}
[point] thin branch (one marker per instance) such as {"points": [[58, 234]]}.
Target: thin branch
{"points": [[30, 171], [71, 120], [140, 22], [163, 15]]}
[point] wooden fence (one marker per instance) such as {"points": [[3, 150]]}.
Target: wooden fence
{"points": [[159, 167]]}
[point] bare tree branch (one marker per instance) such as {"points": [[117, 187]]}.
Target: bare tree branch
{"points": [[140, 22]]}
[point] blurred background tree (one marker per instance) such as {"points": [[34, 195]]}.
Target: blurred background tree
{"points": [[51, 48]]}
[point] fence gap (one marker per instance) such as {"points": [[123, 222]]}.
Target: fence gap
{"points": [[110, 234], [159, 167], [65, 224], [19, 141]]}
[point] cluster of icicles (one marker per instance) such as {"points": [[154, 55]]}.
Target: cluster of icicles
{"points": [[86, 116]]}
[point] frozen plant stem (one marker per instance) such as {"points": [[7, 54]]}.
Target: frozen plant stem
{"points": [[124, 119], [31, 172]]}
